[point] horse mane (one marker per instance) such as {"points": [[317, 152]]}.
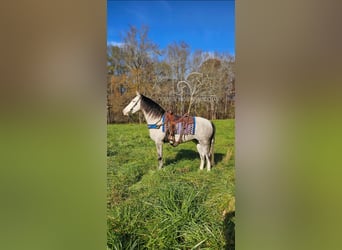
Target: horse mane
{"points": [[151, 107]]}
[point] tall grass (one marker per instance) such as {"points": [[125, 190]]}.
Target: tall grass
{"points": [[178, 207]]}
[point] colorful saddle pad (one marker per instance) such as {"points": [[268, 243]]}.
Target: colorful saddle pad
{"points": [[189, 128]]}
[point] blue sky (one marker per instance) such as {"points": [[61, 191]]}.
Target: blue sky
{"points": [[205, 25]]}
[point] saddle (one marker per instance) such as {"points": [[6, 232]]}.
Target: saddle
{"points": [[171, 122]]}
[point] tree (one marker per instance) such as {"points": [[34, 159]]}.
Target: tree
{"points": [[177, 55], [218, 69], [138, 53], [116, 61]]}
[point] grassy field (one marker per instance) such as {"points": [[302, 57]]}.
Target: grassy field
{"points": [[178, 207]]}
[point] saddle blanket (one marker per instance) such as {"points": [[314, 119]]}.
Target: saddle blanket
{"points": [[188, 130]]}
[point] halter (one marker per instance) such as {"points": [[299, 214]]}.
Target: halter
{"points": [[135, 104]]}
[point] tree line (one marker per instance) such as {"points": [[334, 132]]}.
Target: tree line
{"points": [[199, 83]]}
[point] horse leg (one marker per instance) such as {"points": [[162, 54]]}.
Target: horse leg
{"points": [[211, 152], [159, 146], [199, 148], [205, 147], [208, 162]]}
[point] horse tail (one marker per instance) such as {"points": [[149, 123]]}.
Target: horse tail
{"points": [[212, 141]]}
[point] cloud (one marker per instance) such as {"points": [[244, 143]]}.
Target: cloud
{"points": [[114, 43]]}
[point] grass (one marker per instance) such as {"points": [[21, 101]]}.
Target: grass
{"points": [[178, 207]]}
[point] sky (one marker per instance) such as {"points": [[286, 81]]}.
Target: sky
{"points": [[205, 25]]}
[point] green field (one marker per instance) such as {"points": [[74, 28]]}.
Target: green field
{"points": [[178, 207]]}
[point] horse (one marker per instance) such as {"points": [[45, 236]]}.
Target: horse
{"points": [[204, 134]]}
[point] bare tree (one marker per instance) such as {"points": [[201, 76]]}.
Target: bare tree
{"points": [[177, 55], [116, 64], [218, 68], [138, 52]]}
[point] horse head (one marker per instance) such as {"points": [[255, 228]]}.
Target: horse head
{"points": [[133, 106]]}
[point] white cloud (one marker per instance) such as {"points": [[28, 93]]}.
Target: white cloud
{"points": [[114, 43]]}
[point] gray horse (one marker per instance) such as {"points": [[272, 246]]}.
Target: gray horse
{"points": [[154, 115]]}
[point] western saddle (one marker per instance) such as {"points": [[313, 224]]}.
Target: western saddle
{"points": [[171, 122]]}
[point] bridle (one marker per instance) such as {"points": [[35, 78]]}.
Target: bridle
{"points": [[135, 104]]}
